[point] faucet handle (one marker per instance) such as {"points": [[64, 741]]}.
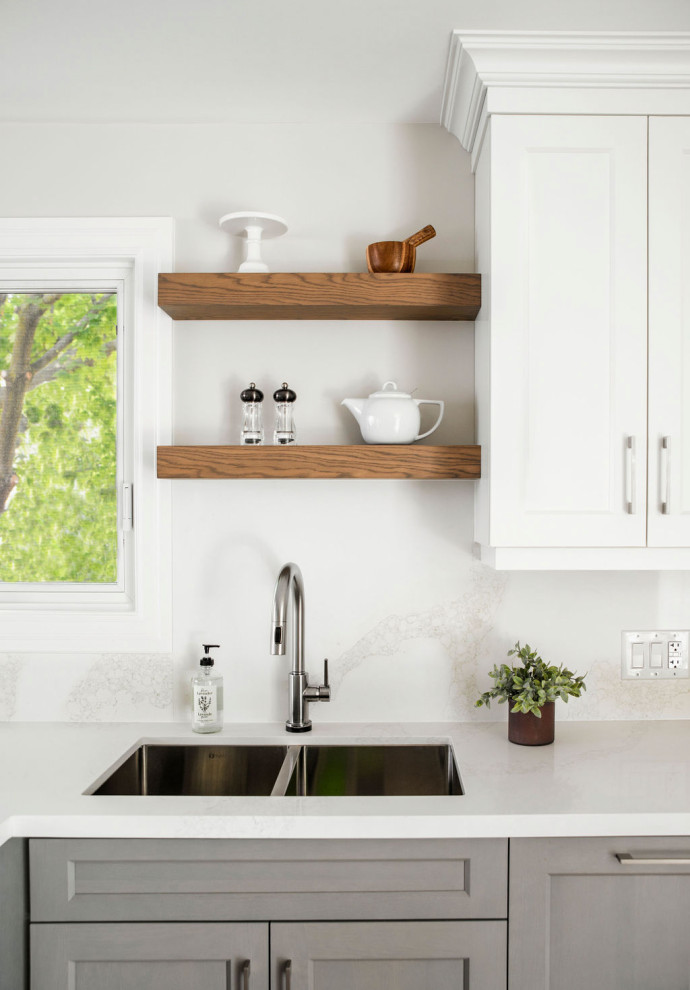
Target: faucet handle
{"points": [[325, 688], [320, 693]]}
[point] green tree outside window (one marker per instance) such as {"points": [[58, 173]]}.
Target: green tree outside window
{"points": [[58, 437]]}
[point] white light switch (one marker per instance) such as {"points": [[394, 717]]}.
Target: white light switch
{"points": [[656, 655], [637, 656]]}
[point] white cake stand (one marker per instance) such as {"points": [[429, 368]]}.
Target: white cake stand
{"points": [[253, 226]]}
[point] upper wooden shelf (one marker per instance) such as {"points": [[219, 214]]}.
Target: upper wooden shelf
{"points": [[319, 296]]}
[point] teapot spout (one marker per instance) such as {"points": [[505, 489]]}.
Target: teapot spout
{"points": [[355, 406]]}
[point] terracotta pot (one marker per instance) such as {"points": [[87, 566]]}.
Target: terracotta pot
{"points": [[526, 729]]}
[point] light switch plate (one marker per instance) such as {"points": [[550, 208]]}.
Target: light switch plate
{"points": [[654, 655]]}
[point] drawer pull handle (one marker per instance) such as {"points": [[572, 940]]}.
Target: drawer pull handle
{"points": [[287, 973], [246, 969], [625, 859]]}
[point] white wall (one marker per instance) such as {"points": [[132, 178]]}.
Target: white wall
{"points": [[409, 619]]}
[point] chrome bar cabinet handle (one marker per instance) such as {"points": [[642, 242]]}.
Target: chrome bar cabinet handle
{"points": [[630, 476], [287, 973], [625, 859], [246, 969], [665, 475]]}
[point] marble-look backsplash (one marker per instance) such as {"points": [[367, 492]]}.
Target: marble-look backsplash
{"points": [[424, 665], [86, 688]]}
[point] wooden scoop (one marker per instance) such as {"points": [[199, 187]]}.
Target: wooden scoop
{"points": [[397, 256]]}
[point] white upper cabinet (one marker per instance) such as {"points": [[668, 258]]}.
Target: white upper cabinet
{"points": [[562, 384], [583, 244], [669, 332]]}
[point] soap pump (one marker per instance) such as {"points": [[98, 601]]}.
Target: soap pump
{"points": [[207, 695]]}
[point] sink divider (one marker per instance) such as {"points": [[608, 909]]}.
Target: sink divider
{"points": [[285, 772]]}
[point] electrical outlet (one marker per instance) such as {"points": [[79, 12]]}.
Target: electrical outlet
{"points": [[655, 655]]}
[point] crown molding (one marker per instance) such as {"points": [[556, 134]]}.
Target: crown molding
{"points": [[562, 72]]}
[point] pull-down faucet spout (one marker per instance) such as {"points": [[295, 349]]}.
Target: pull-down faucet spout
{"points": [[289, 579], [290, 588]]}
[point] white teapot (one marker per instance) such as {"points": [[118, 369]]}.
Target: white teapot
{"points": [[391, 416]]}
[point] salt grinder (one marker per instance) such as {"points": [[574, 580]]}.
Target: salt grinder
{"points": [[284, 399]]}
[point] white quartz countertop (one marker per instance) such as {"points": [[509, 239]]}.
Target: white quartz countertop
{"points": [[598, 778]]}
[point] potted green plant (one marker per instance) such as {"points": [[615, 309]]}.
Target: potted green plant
{"points": [[531, 687]]}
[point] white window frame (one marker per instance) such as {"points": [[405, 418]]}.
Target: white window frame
{"points": [[134, 614]]}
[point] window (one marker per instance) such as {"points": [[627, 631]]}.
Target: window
{"points": [[84, 399], [60, 427]]}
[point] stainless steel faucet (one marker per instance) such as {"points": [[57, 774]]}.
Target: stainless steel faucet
{"points": [[290, 585]]}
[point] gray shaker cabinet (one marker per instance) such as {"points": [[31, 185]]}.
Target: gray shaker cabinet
{"points": [[443, 955], [600, 912], [168, 956], [14, 909], [124, 914], [392, 915]]}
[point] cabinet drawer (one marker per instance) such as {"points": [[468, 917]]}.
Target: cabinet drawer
{"points": [[230, 879]]}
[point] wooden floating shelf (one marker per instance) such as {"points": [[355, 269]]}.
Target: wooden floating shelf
{"points": [[319, 296], [341, 461]]}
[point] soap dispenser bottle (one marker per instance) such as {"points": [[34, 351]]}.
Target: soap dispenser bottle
{"points": [[207, 695]]}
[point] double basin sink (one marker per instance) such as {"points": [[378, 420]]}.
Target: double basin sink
{"points": [[286, 771]]}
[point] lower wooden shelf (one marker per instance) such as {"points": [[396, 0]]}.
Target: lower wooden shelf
{"points": [[340, 461]]}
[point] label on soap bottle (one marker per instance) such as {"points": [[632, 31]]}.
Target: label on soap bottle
{"points": [[205, 703]]}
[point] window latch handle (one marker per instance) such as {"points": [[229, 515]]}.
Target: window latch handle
{"points": [[127, 506]]}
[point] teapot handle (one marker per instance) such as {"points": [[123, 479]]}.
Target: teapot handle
{"points": [[431, 402]]}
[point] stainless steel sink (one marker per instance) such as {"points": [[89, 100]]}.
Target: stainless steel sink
{"points": [[205, 771], [350, 770], [374, 771]]}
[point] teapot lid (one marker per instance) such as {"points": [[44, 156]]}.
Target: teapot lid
{"points": [[390, 391]]}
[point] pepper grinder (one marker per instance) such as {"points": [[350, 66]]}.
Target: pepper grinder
{"points": [[252, 431], [284, 399]]}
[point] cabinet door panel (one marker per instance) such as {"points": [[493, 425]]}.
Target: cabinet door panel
{"points": [[579, 918], [250, 880], [669, 332], [13, 913], [568, 352], [445, 955], [154, 956]]}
